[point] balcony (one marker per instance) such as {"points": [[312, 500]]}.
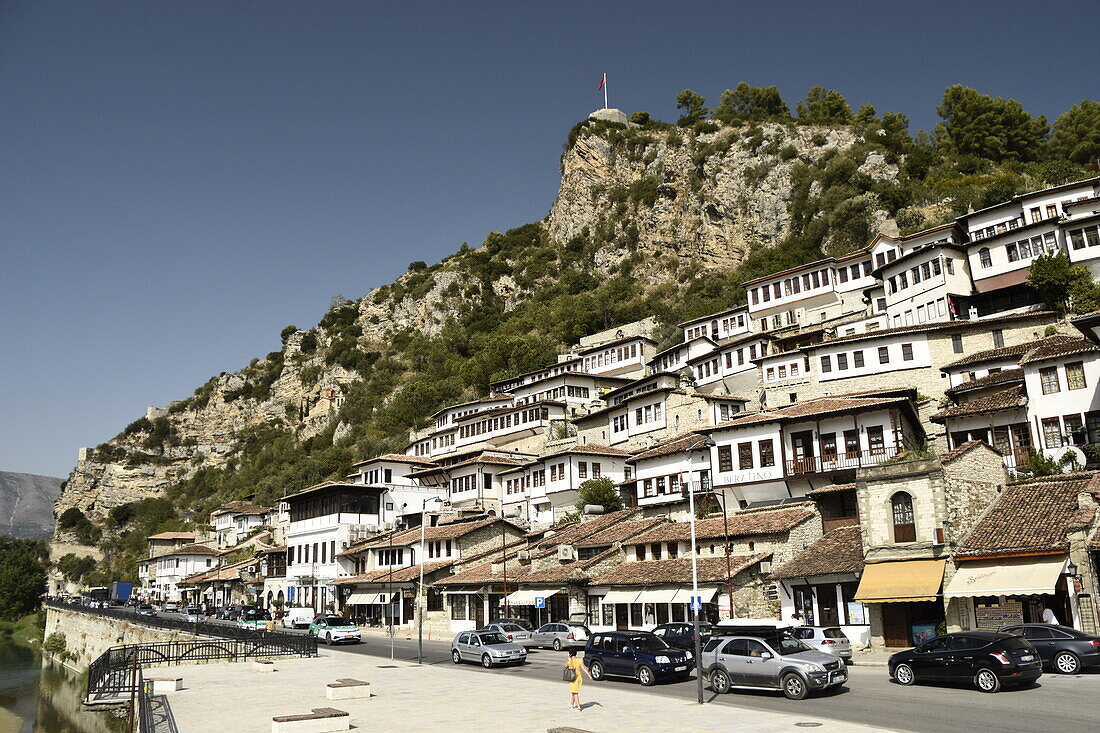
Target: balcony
{"points": [[840, 462]]}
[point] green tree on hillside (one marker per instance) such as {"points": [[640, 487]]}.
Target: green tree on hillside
{"points": [[692, 106], [1063, 285], [824, 107], [22, 577], [599, 491], [747, 102], [1076, 135], [992, 128]]}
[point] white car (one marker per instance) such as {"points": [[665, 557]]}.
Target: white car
{"points": [[298, 618], [193, 614], [828, 639]]}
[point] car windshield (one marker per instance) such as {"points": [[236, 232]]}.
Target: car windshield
{"points": [[785, 644], [257, 615], [512, 627], [337, 621], [834, 634], [492, 638], [649, 643]]}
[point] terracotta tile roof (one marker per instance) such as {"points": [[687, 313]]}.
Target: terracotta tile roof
{"points": [[241, 507], [990, 380], [1032, 516], [678, 570], [1009, 399], [814, 408], [620, 532], [192, 549], [743, 524], [614, 342], [588, 449], [398, 575], [1005, 352], [1059, 349], [837, 551], [961, 450], [172, 536], [831, 489], [399, 538], [575, 533], [672, 446], [397, 458]]}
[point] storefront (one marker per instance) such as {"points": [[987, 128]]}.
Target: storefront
{"points": [[642, 608], [1003, 591], [374, 606], [903, 600], [827, 601]]}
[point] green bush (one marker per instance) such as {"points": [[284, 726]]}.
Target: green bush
{"points": [[56, 643]]}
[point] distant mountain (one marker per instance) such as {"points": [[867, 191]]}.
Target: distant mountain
{"points": [[26, 504]]}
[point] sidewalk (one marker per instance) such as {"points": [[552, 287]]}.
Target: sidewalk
{"points": [[405, 698]]}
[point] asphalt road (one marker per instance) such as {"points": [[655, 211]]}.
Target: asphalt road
{"points": [[1057, 703]]}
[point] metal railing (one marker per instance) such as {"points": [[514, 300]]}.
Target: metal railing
{"points": [[841, 461]]}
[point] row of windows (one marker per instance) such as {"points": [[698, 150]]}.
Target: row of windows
{"points": [[842, 273], [995, 229], [555, 394], [765, 449], [611, 356], [439, 548], [858, 361], [504, 421], [1073, 430], [1022, 249], [924, 271], [1079, 238], [924, 312], [349, 503], [883, 257], [790, 286], [383, 475], [728, 324], [654, 550], [780, 371], [1075, 378], [709, 367], [442, 441], [391, 557], [642, 416], [660, 485], [467, 483], [317, 552]]}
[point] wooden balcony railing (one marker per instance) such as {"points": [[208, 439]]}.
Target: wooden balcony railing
{"points": [[840, 462]]}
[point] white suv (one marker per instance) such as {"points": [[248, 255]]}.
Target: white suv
{"points": [[828, 639]]}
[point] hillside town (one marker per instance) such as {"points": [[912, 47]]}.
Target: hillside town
{"points": [[893, 442]]}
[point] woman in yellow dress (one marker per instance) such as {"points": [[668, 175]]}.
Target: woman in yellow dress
{"points": [[574, 663]]}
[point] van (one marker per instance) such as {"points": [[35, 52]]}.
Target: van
{"points": [[298, 618]]}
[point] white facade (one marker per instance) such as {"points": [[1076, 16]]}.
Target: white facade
{"points": [[719, 326], [545, 490], [1063, 401], [176, 566]]}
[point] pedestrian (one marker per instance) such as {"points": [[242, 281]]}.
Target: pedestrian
{"points": [[574, 670], [1047, 615]]}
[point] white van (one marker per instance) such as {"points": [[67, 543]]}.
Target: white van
{"points": [[298, 618]]}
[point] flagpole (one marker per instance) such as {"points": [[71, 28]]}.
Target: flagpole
{"points": [[605, 90]]}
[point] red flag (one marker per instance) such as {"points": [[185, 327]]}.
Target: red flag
{"points": [[603, 81]]}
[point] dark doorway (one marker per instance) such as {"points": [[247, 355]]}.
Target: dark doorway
{"points": [[827, 607]]}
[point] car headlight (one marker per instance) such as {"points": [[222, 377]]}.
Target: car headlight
{"points": [[815, 668], [663, 660], [689, 655]]}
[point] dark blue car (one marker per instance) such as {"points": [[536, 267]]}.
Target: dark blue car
{"points": [[638, 654]]}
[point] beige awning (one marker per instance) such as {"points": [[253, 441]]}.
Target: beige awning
{"points": [[527, 597], [621, 596], [684, 594], [1017, 576], [901, 581], [657, 595], [369, 598]]}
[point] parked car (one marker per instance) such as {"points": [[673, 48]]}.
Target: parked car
{"points": [[253, 618], [146, 609], [1065, 649], [193, 613], [682, 634], [170, 607], [490, 648], [769, 660], [298, 618], [560, 636], [828, 639], [986, 659], [527, 625], [639, 654], [228, 612], [331, 629], [511, 632]]}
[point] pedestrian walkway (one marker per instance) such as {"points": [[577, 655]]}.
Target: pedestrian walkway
{"points": [[221, 697]]}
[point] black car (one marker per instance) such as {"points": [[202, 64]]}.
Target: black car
{"points": [[986, 659], [638, 654], [1065, 649], [682, 634]]}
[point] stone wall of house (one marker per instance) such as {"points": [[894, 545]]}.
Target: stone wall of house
{"points": [[972, 483], [924, 482]]}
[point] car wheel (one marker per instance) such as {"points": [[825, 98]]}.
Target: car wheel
{"points": [[1067, 663], [557, 645], [646, 676], [720, 681], [486, 661], [794, 687], [986, 681], [903, 675], [456, 657], [595, 671], [328, 639]]}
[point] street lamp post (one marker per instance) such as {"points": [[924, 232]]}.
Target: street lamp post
{"points": [[420, 585], [696, 600]]}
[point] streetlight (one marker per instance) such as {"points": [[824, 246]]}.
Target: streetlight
{"points": [[696, 599], [420, 586]]}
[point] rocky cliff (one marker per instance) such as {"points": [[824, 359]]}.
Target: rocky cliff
{"points": [[26, 503], [653, 205]]}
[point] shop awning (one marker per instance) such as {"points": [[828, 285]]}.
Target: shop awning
{"points": [[1018, 576], [684, 594], [621, 596], [369, 598], [657, 595], [902, 581], [527, 597]]}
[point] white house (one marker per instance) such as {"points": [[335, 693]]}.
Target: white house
{"points": [[178, 564]]}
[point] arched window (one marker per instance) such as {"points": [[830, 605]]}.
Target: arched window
{"points": [[983, 255], [904, 528]]}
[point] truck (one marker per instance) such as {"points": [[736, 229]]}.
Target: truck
{"points": [[120, 592]]}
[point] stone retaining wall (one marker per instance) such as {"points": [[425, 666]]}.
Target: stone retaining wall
{"points": [[88, 635]]}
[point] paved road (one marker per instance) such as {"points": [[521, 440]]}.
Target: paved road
{"points": [[1057, 704]]}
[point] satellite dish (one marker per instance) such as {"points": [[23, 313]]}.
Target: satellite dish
{"points": [[1069, 458]]}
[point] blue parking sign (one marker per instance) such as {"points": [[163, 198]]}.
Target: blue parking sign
{"points": [[540, 602], [696, 603]]}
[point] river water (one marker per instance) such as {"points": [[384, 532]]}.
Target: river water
{"points": [[44, 699]]}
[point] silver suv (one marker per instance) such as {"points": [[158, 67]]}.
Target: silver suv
{"points": [[769, 661]]}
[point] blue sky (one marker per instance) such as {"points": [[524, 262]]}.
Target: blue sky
{"points": [[178, 181]]}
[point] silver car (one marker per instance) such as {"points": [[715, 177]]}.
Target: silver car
{"points": [[192, 613], [490, 648], [828, 639], [773, 661], [560, 636], [511, 632]]}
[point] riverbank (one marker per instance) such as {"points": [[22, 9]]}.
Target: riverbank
{"points": [[26, 631]]}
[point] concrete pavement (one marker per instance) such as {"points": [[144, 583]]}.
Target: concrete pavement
{"points": [[221, 697]]}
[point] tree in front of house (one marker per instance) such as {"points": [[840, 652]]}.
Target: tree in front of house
{"points": [[1062, 285], [22, 577], [600, 491]]}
